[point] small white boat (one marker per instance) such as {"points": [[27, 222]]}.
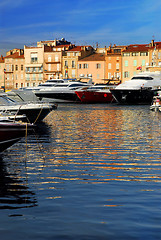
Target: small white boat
{"points": [[156, 103]]}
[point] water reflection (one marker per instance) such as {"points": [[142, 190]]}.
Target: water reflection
{"points": [[14, 193]]}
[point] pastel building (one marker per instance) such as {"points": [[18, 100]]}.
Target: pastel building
{"points": [[53, 61], [14, 69], [34, 60], [71, 58], [92, 66], [135, 58], [114, 62]]}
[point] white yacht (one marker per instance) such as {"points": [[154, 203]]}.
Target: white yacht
{"points": [[139, 90], [34, 112], [62, 91]]}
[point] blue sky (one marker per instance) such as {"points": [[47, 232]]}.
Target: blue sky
{"points": [[83, 22]]}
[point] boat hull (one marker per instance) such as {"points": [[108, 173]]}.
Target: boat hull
{"points": [[95, 97], [57, 96], [11, 132], [133, 96]]}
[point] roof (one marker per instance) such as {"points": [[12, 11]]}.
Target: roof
{"points": [[137, 48], [15, 55], [75, 49], [94, 57]]}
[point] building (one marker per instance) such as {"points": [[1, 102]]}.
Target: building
{"points": [[135, 58], [14, 69], [92, 66], [34, 61], [154, 56], [71, 58], [53, 61], [113, 60]]}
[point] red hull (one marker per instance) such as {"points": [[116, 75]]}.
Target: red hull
{"points": [[95, 97], [11, 132]]}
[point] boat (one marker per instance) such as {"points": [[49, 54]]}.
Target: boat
{"points": [[62, 91], [27, 94], [139, 90], [11, 132], [156, 103], [99, 93], [34, 111]]}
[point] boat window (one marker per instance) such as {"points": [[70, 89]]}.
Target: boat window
{"points": [[143, 78]]}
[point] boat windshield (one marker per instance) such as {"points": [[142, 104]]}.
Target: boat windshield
{"points": [[6, 100], [142, 78]]}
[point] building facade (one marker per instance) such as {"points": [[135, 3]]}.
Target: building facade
{"points": [[14, 69], [113, 60], [135, 58], [71, 58], [34, 60], [92, 66]]}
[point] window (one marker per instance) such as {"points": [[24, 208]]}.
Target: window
{"points": [[22, 85], [98, 65], [40, 76], [49, 67], [144, 54], [56, 59], [21, 67], [34, 58], [58, 67], [28, 84], [66, 63], [21, 76], [34, 77], [126, 54], [73, 73], [49, 58], [16, 67], [73, 64], [143, 62], [109, 75], [126, 63], [98, 76], [135, 54], [126, 74], [85, 65], [109, 66], [79, 66], [12, 67], [135, 63], [117, 66], [27, 77], [16, 85]]}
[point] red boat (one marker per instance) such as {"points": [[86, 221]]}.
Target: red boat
{"points": [[95, 94], [11, 132]]}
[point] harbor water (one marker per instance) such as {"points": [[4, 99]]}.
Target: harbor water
{"points": [[88, 172]]}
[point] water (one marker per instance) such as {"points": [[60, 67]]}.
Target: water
{"points": [[89, 172]]}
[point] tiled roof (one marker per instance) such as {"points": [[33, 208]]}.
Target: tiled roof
{"points": [[94, 57], [15, 55], [76, 49], [137, 48]]}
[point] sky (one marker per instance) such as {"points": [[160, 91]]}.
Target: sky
{"points": [[82, 22]]}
